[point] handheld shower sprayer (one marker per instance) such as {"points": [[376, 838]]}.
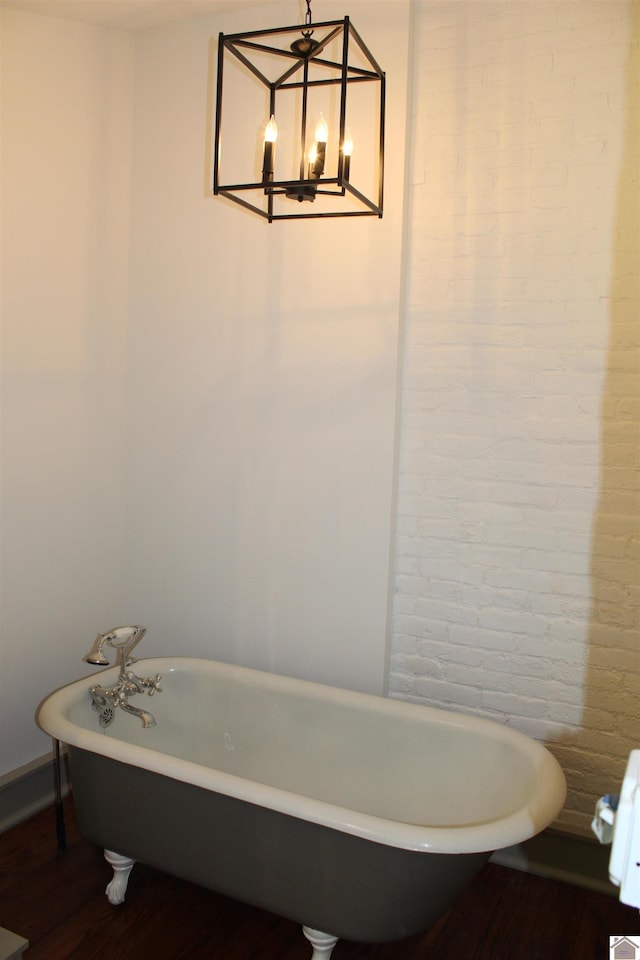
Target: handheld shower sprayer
{"points": [[121, 639]]}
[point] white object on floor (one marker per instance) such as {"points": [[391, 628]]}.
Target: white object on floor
{"points": [[624, 864], [617, 821], [11, 945]]}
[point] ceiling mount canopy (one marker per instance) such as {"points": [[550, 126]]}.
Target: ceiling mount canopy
{"points": [[300, 122]]}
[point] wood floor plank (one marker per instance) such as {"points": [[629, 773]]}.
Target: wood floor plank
{"points": [[524, 912], [17, 861], [601, 920]]}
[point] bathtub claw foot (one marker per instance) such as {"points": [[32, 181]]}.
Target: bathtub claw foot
{"points": [[322, 943], [122, 867]]}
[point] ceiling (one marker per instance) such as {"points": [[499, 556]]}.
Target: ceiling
{"points": [[121, 14]]}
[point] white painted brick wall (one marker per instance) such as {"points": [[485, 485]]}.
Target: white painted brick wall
{"points": [[517, 581]]}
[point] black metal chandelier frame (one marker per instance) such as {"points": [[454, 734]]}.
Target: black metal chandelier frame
{"points": [[303, 54]]}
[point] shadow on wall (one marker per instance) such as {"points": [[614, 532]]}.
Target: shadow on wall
{"points": [[611, 717]]}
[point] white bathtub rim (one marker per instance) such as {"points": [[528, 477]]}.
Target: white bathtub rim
{"points": [[481, 837]]}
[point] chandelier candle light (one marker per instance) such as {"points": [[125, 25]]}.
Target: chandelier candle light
{"points": [[294, 78], [270, 137]]}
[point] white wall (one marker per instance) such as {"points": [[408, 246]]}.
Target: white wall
{"points": [[517, 557], [66, 154], [198, 408], [263, 365]]}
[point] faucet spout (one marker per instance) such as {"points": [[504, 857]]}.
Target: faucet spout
{"points": [[147, 719]]}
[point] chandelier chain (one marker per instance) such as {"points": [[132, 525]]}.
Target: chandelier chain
{"points": [[307, 34]]}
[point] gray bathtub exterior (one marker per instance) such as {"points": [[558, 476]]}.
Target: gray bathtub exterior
{"points": [[349, 886]]}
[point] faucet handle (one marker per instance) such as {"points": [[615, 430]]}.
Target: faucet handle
{"points": [[153, 684]]}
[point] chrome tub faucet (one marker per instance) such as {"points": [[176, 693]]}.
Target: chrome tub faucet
{"points": [[107, 699]]}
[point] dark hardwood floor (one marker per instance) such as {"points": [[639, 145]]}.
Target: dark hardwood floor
{"points": [[56, 900]]}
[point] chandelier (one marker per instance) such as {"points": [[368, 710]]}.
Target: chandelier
{"points": [[299, 130]]}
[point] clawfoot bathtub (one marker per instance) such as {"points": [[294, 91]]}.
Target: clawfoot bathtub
{"points": [[357, 816]]}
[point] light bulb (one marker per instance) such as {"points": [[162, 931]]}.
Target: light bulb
{"points": [[322, 130], [271, 131], [347, 150]]}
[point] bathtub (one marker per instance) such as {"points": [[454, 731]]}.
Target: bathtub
{"points": [[358, 816]]}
